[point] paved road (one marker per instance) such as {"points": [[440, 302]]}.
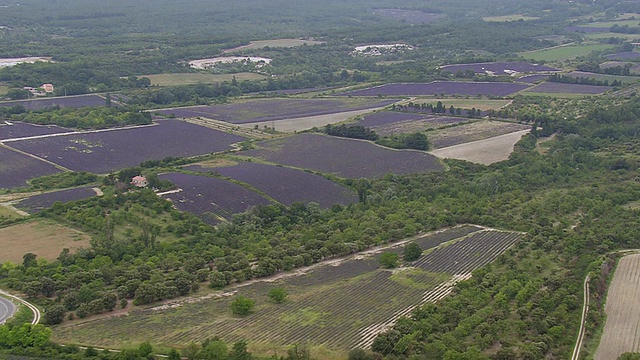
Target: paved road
{"points": [[7, 308]]}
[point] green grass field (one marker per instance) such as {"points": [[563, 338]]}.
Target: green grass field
{"points": [[275, 43], [611, 78], [3, 89], [559, 53], [198, 78], [512, 17]]}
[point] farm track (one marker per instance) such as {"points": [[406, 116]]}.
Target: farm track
{"points": [[227, 127]]}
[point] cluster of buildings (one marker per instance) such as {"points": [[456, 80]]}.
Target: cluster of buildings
{"points": [[43, 90]]}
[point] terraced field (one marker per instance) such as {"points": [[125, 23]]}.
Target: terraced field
{"points": [[336, 305]]}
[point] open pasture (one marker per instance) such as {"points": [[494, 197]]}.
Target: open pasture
{"points": [[441, 87], [386, 123], [36, 203], [623, 311], [338, 305], [75, 101], [199, 78], [511, 17], [478, 130], [562, 88], [343, 157], [487, 151], [276, 109], [209, 198], [114, 149], [413, 17], [20, 130], [259, 44], [17, 168], [564, 52], [41, 237], [3, 89], [499, 68], [286, 185]]}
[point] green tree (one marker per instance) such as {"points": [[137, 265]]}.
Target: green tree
{"points": [[412, 252], [55, 314], [239, 351], [389, 260], [242, 306], [278, 295]]}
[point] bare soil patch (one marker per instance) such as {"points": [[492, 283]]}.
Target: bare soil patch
{"points": [[622, 329], [486, 151], [478, 130], [43, 238], [308, 122]]}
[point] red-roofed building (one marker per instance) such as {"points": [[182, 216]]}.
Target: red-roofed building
{"points": [[48, 88], [139, 181]]}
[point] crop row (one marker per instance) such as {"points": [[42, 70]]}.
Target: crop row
{"points": [[36, 203], [441, 87]]}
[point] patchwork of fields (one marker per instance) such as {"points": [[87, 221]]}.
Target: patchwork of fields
{"points": [[340, 304]]}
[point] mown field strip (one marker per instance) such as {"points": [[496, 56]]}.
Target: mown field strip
{"points": [[622, 329]]}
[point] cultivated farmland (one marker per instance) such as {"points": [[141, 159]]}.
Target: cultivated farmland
{"points": [[209, 198], [623, 311], [286, 185], [63, 102], [386, 123], [499, 68], [339, 304], [276, 109], [347, 158], [478, 130], [259, 44], [20, 130], [485, 151], [629, 55], [36, 203], [16, 168], [40, 237], [441, 87], [114, 149], [561, 88]]}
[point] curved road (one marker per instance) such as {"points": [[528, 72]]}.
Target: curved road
{"points": [[7, 308]]}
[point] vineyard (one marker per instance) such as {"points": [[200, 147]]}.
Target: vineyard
{"points": [[338, 305]]}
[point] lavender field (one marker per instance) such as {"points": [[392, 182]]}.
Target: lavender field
{"points": [[36, 203], [287, 185], [211, 199], [499, 68], [106, 151], [346, 158], [276, 109], [20, 130], [561, 88], [17, 168], [629, 55], [63, 102], [441, 87]]}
